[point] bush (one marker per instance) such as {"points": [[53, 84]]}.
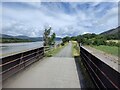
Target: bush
{"points": [[66, 39], [118, 44], [113, 44], [99, 42], [62, 44], [88, 42]]}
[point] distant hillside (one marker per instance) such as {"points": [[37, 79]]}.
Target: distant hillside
{"points": [[112, 31], [58, 38], [22, 37], [26, 37], [30, 38], [5, 36]]}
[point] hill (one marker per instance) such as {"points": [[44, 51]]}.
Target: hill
{"points": [[30, 38], [33, 39], [5, 36], [112, 31], [21, 37], [113, 34]]}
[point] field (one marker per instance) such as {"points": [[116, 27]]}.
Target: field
{"points": [[116, 41], [108, 49]]}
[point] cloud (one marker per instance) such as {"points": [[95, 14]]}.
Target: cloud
{"points": [[66, 19], [60, 1]]}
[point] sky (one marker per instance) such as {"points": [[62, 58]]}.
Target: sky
{"points": [[65, 18]]}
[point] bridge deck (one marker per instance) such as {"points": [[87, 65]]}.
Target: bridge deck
{"points": [[53, 72]]}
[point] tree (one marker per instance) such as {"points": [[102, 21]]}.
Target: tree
{"points": [[52, 39], [49, 40], [65, 39], [74, 38], [46, 36]]}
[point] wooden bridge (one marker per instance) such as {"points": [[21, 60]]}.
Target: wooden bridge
{"points": [[31, 69], [54, 72]]}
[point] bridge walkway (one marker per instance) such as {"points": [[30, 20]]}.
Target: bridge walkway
{"points": [[54, 72]]}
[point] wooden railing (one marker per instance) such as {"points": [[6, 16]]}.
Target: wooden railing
{"points": [[102, 74], [14, 63], [46, 49]]}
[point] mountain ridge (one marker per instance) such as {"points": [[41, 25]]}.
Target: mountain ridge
{"points": [[111, 31], [25, 37]]}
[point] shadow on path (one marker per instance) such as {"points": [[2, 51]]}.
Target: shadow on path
{"points": [[84, 78]]}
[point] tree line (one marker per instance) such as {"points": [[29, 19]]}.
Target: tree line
{"points": [[94, 39]]}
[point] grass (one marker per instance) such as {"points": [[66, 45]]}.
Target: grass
{"points": [[75, 49], [108, 49], [54, 51]]}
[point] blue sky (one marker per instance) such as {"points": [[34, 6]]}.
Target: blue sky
{"points": [[65, 18]]}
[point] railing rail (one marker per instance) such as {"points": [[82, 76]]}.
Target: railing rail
{"points": [[14, 63], [102, 74], [46, 49]]}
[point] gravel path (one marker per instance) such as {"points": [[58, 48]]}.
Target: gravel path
{"points": [[66, 52], [53, 72]]}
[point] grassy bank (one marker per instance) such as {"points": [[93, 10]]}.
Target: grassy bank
{"points": [[75, 49], [54, 50], [108, 49]]}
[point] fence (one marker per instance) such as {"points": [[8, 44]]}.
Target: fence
{"points": [[14, 63], [46, 49], [102, 74]]}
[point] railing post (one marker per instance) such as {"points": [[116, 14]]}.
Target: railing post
{"points": [[37, 54]]}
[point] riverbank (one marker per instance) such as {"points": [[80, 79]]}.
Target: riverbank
{"points": [[13, 40]]}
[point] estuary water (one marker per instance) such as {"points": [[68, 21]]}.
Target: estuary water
{"points": [[7, 49]]}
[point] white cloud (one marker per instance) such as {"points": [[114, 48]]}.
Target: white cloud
{"points": [[31, 22], [85, 32], [109, 20], [60, 0]]}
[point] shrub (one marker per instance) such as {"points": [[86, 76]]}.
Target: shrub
{"points": [[113, 43], [62, 44]]}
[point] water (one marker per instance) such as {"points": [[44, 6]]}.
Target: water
{"points": [[13, 48]]}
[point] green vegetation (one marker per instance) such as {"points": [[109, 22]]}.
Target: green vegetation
{"points": [[54, 50], [75, 49], [52, 39], [13, 40], [49, 40], [65, 39], [108, 49], [94, 39], [98, 41]]}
